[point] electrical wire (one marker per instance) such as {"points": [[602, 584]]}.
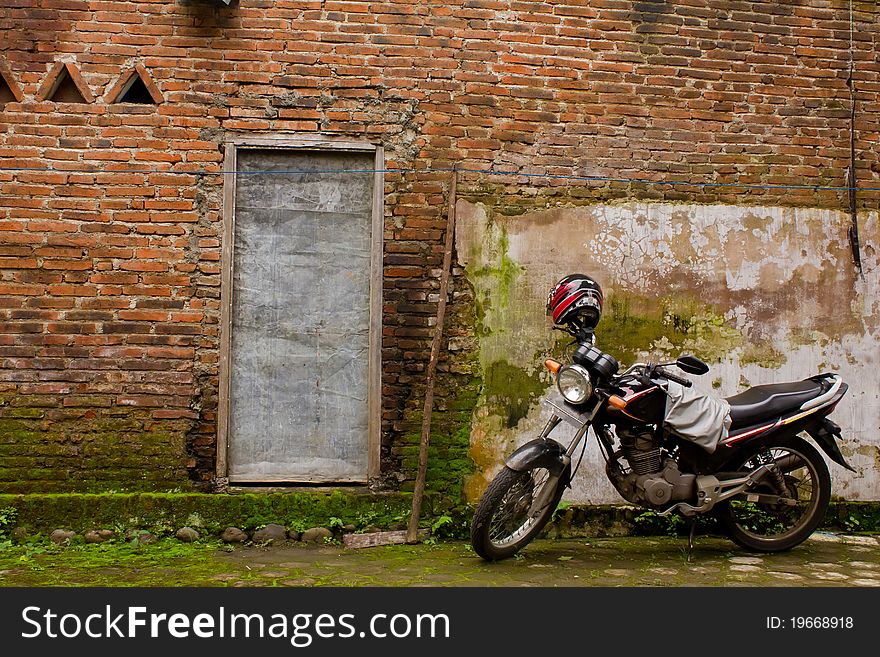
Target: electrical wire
{"points": [[485, 172], [580, 458]]}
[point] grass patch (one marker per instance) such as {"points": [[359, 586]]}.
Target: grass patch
{"points": [[167, 562]]}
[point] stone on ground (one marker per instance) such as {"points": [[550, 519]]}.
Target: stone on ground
{"points": [[97, 535], [316, 535], [270, 534], [187, 534], [61, 536], [233, 535]]}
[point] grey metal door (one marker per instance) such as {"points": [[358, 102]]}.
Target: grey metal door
{"points": [[299, 367]]}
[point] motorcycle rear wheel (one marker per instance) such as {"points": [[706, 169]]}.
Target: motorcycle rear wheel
{"points": [[762, 527], [505, 520]]}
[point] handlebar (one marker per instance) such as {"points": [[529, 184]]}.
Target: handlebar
{"points": [[644, 371], [659, 371], [632, 368]]}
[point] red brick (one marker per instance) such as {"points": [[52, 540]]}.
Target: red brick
{"points": [[143, 315], [149, 265]]}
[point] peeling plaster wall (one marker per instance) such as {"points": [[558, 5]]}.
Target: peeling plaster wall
{"points": [[765, 294]]}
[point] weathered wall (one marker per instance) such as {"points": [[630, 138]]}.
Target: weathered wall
{"points": [[110, 214], [764, 294]]}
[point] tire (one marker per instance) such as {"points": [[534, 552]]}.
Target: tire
{"points": [[501, 526], [773, 528]]}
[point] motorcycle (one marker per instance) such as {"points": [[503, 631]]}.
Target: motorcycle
{"points": [[667, 448]]}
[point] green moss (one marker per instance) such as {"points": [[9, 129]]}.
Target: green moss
{"points": [[163, 512], [510, 391], [23, 412], [482, 305], [105, 450], [450, 434], [448, 464], [117, 563], [763, 354], [513, 197], [8, 428], [503, 271], [669, 325]]}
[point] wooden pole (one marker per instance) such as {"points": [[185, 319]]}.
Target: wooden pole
{"points": [[418, 494]]}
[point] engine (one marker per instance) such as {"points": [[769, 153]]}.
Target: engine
{"points": [[652, 480], [641, 450]]}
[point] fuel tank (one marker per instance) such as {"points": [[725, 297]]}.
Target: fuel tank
{"points": [[638, 403]]}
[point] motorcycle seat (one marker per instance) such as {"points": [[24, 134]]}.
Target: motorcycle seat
{"points": [[766, 402]]}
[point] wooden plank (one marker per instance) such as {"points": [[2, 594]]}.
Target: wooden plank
{"points": [[419, 491], [301, 142], [356, 541], [376, 278], [297, 479], [226, 307]]}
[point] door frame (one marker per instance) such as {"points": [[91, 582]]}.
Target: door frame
{"points": [[374, 369]]}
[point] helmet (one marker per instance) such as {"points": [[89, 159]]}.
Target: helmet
{"points": [[576, 299]]}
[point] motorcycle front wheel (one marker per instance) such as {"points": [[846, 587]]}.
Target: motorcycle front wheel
{"points": [[507, 517], [774, 527]]}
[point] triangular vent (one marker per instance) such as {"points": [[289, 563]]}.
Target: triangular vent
{"points": [[136, 86], [64, 84], [66, 90], [6, 95], [136, 93], [9, 90]]}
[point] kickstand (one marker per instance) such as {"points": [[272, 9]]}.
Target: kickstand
{"points": [[691, 538]]}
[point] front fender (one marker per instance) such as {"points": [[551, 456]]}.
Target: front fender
{"points": [[539, 453]]}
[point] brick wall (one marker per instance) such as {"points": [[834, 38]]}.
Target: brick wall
{"points": [[109, 292]]}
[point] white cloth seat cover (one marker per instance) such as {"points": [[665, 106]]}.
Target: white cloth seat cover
{"points": [[696, 416]]}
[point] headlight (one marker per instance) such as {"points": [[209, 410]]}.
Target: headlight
{"points": [[574, 383]]}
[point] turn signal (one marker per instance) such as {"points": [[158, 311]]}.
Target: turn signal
{"points": [[616, 402], [552, 365]]}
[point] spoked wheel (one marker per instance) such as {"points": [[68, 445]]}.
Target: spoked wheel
{"points": [[514, 508], [787, 505]]}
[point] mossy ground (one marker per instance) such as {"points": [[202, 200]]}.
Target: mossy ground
{"points": [[824, 560], [603, 555], [117, 563]]}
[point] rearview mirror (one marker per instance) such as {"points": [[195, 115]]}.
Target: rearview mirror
{"points": [[692, 365]]}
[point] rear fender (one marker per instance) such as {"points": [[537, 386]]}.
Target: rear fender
{"points": [[826, 434], [539, 453]]}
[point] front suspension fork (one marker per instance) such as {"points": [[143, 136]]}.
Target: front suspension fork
{"points": [[549, 488], [552, 423]]}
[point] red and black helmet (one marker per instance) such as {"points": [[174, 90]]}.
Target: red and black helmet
{"points": [[576, 299]]}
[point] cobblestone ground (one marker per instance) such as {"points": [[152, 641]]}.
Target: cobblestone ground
{"points": [[824, 560]]}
